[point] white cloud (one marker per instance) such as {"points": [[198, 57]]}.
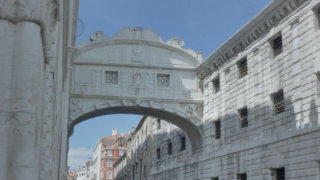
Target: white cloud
{"points": [[77, 156]]}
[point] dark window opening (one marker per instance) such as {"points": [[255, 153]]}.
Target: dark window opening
{"points": [[216, 84], [158, 153], [242, 67], [170, 148], [218, 129], [183, 143], [277, 45], [215, 178], [278, 174], [244, 116], [278, 102], [242, 176], [158, 124]]}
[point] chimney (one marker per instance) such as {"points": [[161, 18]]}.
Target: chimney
{"points": [[114, 132]]}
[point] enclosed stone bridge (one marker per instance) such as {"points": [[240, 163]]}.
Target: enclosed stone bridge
{"points": [[136, 72]]}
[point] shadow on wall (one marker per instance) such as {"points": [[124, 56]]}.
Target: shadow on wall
{"points": [[264, 127]]}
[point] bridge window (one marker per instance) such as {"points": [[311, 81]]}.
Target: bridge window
{"points": [[216, 84], [111, 77], [217, 129], [278, 102], [276, 44], [183, 143], [170, 148], [242, 176], [242, 67], [163, 80], [158, 153], [278, 174], [244, 117]]}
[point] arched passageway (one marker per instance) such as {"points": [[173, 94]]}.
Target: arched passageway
{"points": [[137, 73]]}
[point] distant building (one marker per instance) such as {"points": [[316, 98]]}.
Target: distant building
{"points": [[137, 162], [107, 151]]}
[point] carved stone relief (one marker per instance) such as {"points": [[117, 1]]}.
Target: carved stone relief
{"points": [[137, 53], [111, 77], [163, 80]]}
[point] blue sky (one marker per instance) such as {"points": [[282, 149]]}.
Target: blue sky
{"points": [[202, 24]]}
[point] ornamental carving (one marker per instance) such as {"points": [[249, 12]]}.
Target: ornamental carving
{"points": [[111, 77], [163, 80]]}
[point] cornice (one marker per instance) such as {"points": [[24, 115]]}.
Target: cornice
{"points": [[260, 25], [112, 42]]}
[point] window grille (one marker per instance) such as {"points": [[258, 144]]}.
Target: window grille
{"points": [[278, 102], [278, 174], [183, 143], [216, 84], [243, 67], [218, 129], [111, 77], [242, 177], [170, 148], [277, 45], [163, 80], [244, 117]]}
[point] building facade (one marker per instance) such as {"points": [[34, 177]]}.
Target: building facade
{"points": [[257, 118], [261, 104], [137, 162], [106, 152]]}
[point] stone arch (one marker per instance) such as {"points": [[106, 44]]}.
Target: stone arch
{"points": [[179, 114], [136, 72]]}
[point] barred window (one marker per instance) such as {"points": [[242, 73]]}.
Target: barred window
{"points": [[244, 116], [278, 102], [170, 148], [217, 129], [163, 80], [242, 67], [158, 153], [277, 45], [242, 176], [183, 143], [216, 84], [278, 174], [111, 77]]}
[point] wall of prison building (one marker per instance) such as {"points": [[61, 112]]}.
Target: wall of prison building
{"points": [[261, 104]]}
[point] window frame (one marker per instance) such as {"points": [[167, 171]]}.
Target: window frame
{"points": [[244, 119], [158, 153], [276, 50], [169, 148], [242, 65], [275, 173], [217, 126], [216, 84], [183, 143], [278, 102]]}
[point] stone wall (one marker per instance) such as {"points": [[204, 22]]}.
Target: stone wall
{"points": [[289, 139]]}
